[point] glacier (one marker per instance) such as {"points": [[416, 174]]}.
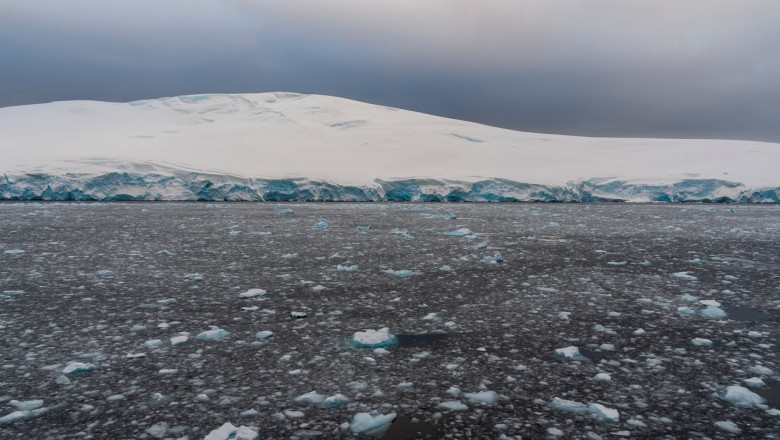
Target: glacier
{"points": [[294, 147]]}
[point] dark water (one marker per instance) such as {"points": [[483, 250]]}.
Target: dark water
{"points": [[110, 285]]}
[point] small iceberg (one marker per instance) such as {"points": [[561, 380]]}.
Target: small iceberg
{"points": [[312, 397], [453, 405], [742, 396], [228, 431], [334, 401], [265, 334], [78, 368], [403, 273], [569, 406], [321, 223], [371, 425], [374, 338], [570, 353], [346, 269], [214, 334], [713, 312], [252, 293], [462, 232], [488, 397], [495, 259]]}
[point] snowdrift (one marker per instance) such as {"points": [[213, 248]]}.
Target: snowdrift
{"points": [[292, 147]]}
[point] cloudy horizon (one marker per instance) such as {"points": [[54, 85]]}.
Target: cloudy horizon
{"points": [[706, 69]]}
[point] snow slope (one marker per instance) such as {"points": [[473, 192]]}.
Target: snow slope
{"points": [[286, 146]]}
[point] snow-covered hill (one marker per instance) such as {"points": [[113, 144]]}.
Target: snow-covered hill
{"points": [[286, 146]]}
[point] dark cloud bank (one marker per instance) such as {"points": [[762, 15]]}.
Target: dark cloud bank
{"points": [[698, 68]]}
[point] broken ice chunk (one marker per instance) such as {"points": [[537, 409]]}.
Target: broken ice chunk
{"points": [[195, 277], [453, 405], [78, 367], [569, 406], [265, 334], [702, 342], [371, 425], [346, 268], [335, 401], [603, 413], [26, 405], [321, 223], [462, 232], [312, 397], [742, 396], [214, 334], [399, 273], [729, 426], [374, 338], [495, 259], [252, 293], [489, 397], [713, 312], [684, 276], [570, 353]]}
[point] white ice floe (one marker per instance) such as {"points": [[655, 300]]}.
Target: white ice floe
{"points": [[318, 288], [445, 268], [346, 268], [462, 232], [453, 405], [714, 312], [569, 406], [570, 353], [78, 367], [335, 401], [489, 397], [603, 413], [26, 405], [402, 273], [729, 426], [195, 277], [214, 334], [312, 397], [496, 258], [602, 377], [265, 334], [228, 431], [684, 276], [742, 396], [179, 340], [701, 342], [755, 382], [760, 369], [370, 424], [252, 293], [374, 338]]}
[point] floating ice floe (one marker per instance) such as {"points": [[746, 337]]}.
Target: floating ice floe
{"points": [[684, 276], [252, 293], [742, 396], [453, 405], [602, 377], [214, 334], [489, 397], [729, 426], [286, 212], [713, 312], [335, 401], [462, 232], [445, 269], [364, 228], [689, 297], [564, 316], [78, 367], [312, 397], [318, 288], [755, 382], [702, 342], [374, 338], [570, 353], [321, 223], [26, 405], [569, 406], [265, 334], [194, 277], [495, 259], [179, 340], [760, 369], [229, 432], [152, 343], [298, 315], [710, 302], [105, 273], [290, 256], [601, 412], [15, 417], [402, 232], [346, 269], [371, 425], [403, 273], [12, 292]]}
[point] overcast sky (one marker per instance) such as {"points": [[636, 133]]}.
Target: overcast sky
{"points": [[665, 68]]}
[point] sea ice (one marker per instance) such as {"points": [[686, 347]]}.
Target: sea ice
{"points": [[374, 338], [178, 340], [702, 342], [453, 405], [12, 292], [335, 401], [399, 273], [462, 232], [445, 269], [15, 417], [603, 413], [27, 405], [214, 334], [570, 353], [602, 377], [569, 406], [489, 397], [684, 276], [755, 382], [321, 223], [78, 367], [729, 426], [252, 293], [265, 334], [346, 268], [713, 312], [195, 277], [742, 396], [371, 425], [312, 397], [495, 259]]}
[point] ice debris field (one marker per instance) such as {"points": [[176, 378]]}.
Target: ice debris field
{"points": [[395, 321], [294, 147]]}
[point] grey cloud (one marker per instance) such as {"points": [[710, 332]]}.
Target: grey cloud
{"points": [[699, 68]]}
